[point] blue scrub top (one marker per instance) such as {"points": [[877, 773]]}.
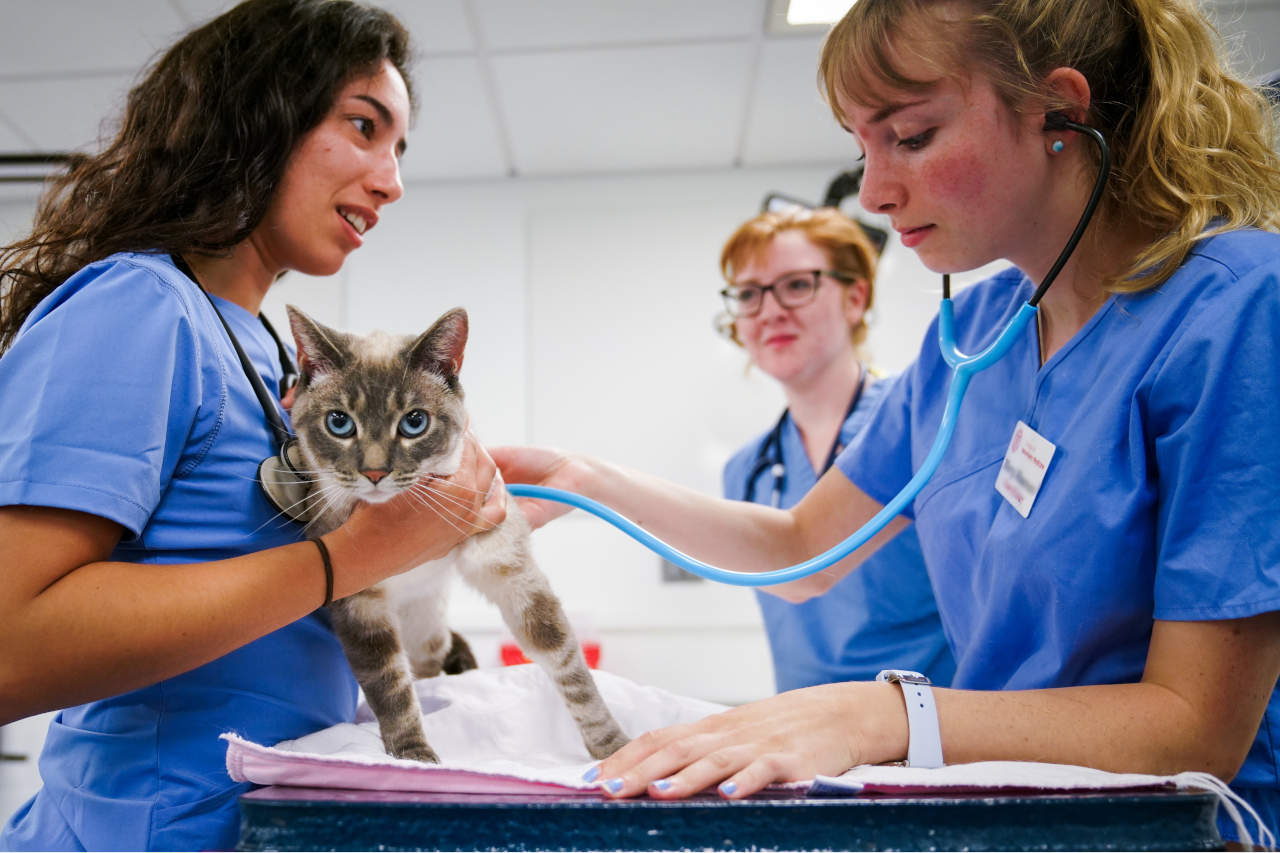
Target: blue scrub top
{"points": [[1160, 502], [124, 398], [880, 616]]}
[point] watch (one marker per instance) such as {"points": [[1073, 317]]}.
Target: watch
{"points": [[924, 736]]}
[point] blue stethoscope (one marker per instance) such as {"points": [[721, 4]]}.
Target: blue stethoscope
{"points": [[964, 368], [769, 457]]}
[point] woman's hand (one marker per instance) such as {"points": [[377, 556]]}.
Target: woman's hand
{"points": [[785, 738], [424, 524], [543, 466]]}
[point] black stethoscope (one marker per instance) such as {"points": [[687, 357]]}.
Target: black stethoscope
{"points": [[769, 457], [288, 371], [281, 476]]}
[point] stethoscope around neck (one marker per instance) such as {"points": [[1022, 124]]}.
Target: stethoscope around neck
{"points": [[770, 457], [281, 476], [964, 368]]}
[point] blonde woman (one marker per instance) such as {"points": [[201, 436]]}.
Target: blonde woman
{"points": [[1129, 621], [799, 286]]}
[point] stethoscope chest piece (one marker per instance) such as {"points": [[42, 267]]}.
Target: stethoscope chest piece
{"points": [[288, 490]]}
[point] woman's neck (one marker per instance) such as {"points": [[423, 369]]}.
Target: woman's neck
{"points": [[1077, 294], [818, 406], [240, 277]]}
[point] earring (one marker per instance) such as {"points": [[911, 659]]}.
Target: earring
{"points": [[1058, 146]]}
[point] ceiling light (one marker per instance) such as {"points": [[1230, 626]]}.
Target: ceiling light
{"points": [[804, 12]]}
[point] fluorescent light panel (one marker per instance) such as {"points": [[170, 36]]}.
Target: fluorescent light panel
{"points": [[804, 12]]}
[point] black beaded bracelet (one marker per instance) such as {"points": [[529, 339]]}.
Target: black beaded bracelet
{"points": [[328, 571]]}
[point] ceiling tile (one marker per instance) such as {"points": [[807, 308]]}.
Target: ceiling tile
{"points": [[69, 36], [624, 109], [82, 104], [437, 26], [455, 135], [790, 123], [539, 24]]}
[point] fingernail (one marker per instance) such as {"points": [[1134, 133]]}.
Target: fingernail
{"points": [[591, 775], [727, 788], [662, 784], [613, 786]]}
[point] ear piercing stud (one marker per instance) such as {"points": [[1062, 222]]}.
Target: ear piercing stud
{"points": [[1058, 146]]}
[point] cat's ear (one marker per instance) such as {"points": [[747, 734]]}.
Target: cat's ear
{"points": [[318, 349], [440, 348]]}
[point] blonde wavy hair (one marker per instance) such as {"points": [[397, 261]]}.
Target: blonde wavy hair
{"points": [[1192, 144], [849, 252]]}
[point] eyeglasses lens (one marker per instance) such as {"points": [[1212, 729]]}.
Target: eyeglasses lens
{"points": [[791, 292]]}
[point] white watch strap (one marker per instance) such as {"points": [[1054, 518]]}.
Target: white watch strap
{"points": [[924, 735]]}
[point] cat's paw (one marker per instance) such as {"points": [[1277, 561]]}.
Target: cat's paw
{"points": [[421, 752], [604, 748]]}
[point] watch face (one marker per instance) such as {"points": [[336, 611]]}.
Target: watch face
{"points": [[905, 675]]}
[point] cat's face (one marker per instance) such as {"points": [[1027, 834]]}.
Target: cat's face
{"points": [[374, 414]]}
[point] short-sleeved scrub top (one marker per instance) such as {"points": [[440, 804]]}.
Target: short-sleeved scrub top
{"points": [[880, 616], [124, 398], [1160, 502]]}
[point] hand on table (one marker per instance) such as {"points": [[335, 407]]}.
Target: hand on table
{"points": [[786, 738]]}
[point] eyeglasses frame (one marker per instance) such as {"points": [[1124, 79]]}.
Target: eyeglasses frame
{"points": [[843, 278]]}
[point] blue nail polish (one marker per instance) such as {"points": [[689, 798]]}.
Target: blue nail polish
{"points": [[613, 785], [592, 774], [728, 787], [662, 784]]}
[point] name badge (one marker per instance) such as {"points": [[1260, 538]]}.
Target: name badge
{"points": [[1024, 468]]}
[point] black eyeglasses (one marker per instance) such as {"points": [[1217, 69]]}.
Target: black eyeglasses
{"points": [[791, 290]]}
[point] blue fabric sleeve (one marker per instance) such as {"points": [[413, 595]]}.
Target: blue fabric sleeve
{"points": [[1214, 412], [878, 461], [100, 391]]}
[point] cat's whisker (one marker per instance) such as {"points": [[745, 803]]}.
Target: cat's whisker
{"points": [[439, 512], [444, 495], [441, 496], [478, 521], [444, 509]]}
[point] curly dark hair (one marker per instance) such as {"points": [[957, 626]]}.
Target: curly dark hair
{"points": [[203, 143]]}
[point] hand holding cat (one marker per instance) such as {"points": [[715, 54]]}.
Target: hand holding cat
{"points": [[785, 738]]}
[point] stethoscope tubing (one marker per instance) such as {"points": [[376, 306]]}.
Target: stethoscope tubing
{"points": [[964, 367]]}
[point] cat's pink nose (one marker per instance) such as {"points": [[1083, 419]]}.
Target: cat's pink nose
{"points": [[375, 476]]}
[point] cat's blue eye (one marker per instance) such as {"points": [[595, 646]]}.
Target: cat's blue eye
{"points": [[340, 424], [414, 424]]}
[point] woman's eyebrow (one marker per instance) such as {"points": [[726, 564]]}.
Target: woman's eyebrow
{"points": [[386, 116], [887, 111]]}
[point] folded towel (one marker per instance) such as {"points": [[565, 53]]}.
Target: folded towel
{"points": [[497, 731]]}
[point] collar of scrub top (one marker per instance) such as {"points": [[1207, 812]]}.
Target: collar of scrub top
{"points": [[289, 373], [964, 368], [769, 456]]}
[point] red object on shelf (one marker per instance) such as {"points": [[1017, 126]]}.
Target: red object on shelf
{"points": [[512, 656]]}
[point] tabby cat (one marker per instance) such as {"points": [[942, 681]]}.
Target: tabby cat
{"points": [[374, 417]]}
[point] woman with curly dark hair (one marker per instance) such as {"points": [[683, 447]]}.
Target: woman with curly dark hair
{"points": [[151, 591]]}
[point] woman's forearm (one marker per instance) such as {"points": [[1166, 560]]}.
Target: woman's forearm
{"points": [[743, 536]]}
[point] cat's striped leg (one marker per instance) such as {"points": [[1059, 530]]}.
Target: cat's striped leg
{"points": [[366, 624], [537, 621]]}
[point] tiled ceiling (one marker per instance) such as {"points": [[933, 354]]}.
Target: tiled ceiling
{"points": [[511, 87]]}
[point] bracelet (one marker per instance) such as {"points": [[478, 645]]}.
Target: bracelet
{"points": [[328, 571], [924, 735]]}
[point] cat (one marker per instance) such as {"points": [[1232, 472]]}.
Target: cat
{"points": [[376, 416]]}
